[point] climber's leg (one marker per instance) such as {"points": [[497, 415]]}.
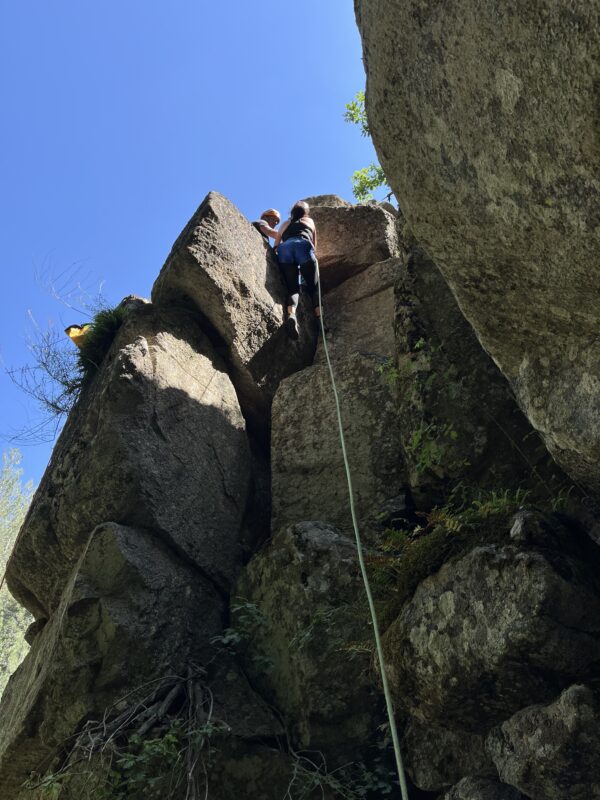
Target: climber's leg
{"points": [[309, 271], [290, 277]]}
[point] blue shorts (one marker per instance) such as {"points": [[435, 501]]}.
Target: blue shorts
{"points": [[295, 251]]}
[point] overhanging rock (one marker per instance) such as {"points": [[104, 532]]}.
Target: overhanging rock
{"points": [[220, 267], [484, 117]]}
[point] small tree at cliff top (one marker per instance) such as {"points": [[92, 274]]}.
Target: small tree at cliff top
{"points": [[14, 501], [368, 179]]}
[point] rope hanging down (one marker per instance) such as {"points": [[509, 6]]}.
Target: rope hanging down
{"points": [[386, 689]]}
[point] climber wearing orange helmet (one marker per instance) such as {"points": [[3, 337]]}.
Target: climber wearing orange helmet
{"points": [[296, 243], [267, 223]]}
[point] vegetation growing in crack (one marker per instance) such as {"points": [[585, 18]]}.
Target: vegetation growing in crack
{"points": [[311, 778], [161, 741], [246, 619], [155, 744], [432, 445], [470, 517], [58, 371], [97, 341]]}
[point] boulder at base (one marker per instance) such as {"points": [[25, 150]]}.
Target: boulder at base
{"points": [[310, 649], [437, 757], [493, 631], [551, 752], [131, 610]]}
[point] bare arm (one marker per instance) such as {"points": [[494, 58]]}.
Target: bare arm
{"points": [[280, 232], [271, 232]]}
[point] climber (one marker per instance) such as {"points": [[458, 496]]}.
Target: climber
{"points": [[267, 223], [295, 245], [76, 333]]}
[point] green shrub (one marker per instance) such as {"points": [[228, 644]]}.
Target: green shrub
{"points": [[466, 521], [98, 339], [59, 371], [158, 747]]}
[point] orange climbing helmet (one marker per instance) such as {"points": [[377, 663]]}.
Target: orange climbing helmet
{"points": [[271, 212]]}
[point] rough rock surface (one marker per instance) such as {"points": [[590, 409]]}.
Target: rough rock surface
{"points": [[333, 200], [360, 314], [493, 631], [157, 462], [307, 587], [125, 456], [219, 266], [484, 118], [458, 417], [351, 238], [551, 752], [438, 757], [482, 789], [109, 633], [308, 478]]}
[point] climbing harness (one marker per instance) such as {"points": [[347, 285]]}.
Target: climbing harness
{"points": [[386, 689]]}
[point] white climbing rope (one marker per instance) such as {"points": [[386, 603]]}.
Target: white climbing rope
{"points": [[361, 560]]}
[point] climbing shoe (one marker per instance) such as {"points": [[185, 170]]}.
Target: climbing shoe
{"points": [[292, 326]]}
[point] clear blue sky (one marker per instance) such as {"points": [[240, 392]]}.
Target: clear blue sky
{"points": [[118, 118]]}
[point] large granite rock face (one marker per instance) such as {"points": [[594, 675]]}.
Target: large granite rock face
{"points": [[351, 238], [484, 117], [495, 630], [458, 417], [308, 478], [360, 312], [221, 268], [308, 653], [109, 634], [159, 442], [551, 752]]}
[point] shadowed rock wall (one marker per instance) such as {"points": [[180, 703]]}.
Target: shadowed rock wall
{"points": [[485, 120]]}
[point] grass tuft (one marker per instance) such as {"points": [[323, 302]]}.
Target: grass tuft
{"points": [[98, 339]]}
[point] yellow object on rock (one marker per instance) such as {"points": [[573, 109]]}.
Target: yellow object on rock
{"points": [[77, 332]]}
